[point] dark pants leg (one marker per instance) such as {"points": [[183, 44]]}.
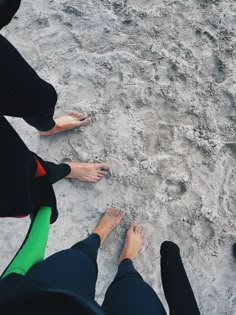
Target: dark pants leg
{"points": [[129, 294], [8, 10], [23, 93], [73, 269], [177, 288], [42, 121], [18, 163], [234, 250], [18, 167], [54, 171]]}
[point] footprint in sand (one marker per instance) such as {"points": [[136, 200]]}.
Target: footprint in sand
{"points": [[175, 189], [219, 70]]}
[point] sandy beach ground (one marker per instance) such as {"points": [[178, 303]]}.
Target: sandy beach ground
{"points": [[159, 80]]}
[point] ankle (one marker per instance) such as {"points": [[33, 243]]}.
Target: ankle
{"points": [[56, 128], [129, 256], [50, 132], [101, 234], [124, 258]]}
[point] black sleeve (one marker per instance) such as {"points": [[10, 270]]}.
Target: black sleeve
{"points": [[177, 288], [8, 9]]}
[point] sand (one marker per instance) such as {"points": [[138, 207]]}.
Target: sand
{"points": [[158, 78]]}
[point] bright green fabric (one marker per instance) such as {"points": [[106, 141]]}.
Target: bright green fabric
{"points": [[33, 250]]}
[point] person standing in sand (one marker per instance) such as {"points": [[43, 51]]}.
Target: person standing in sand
{"points": [[24, 94], [64, 283]]}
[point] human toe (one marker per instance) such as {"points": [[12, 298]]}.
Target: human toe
{"points": [[85, 122], [102, 173], [104, 167], [75, 114], [109, 211], [82, 117]]}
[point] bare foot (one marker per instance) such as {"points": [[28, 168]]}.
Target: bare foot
{"points": [[133, 242], [108, 222], [66, 122], [88, 172]]}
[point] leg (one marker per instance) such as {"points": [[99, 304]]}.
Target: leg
{"points": [[234, 250], [85, 172], [25, 194], [55, 171], [178, 291], [75, 269], [33, 247], [43, 121], [18, 163], [7, 11], [24, 94], [69, 121], [129, 293]]}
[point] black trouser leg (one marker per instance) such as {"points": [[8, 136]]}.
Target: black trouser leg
{"points": [[18, 167], [54, 171], [7, 11], [42, 121], [73, 269], [21, 193], [129, 294], [177, 288], [234, 250], [23, 93]]}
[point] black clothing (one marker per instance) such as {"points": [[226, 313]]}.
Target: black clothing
{"points": [[234, 250], [55, 172], [19, 296], [177, 288], [8, 9], [64, 284], [129, 294], [21, 193], [24, 94], [74, 270], [17, 172]]}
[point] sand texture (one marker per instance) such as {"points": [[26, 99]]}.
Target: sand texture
{"points": [[159, 80]]}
